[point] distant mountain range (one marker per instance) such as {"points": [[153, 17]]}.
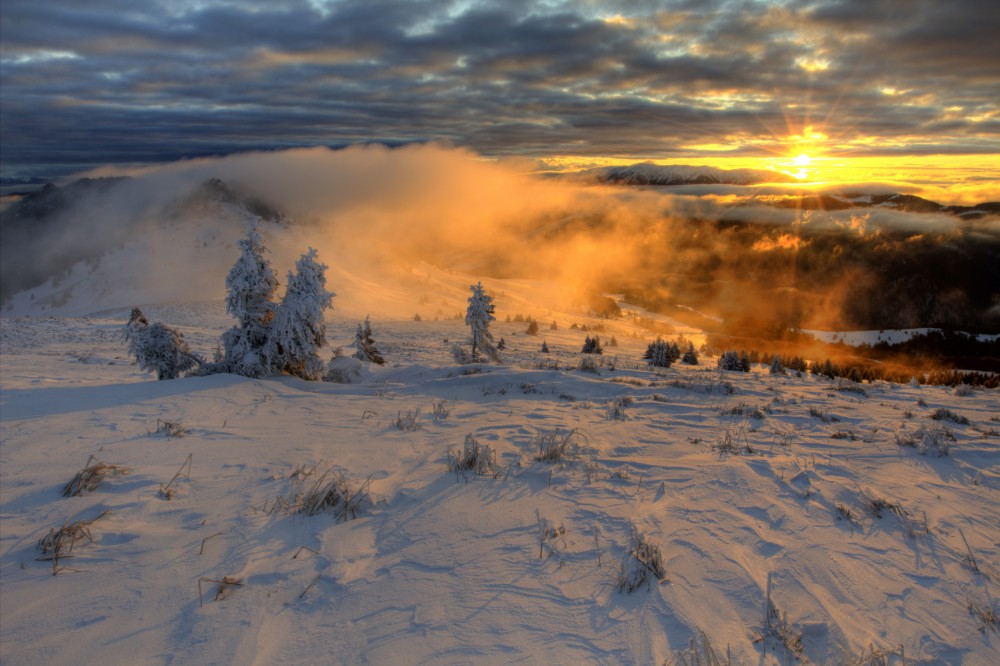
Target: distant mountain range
{"points": [[656, 175], [646, 173]]}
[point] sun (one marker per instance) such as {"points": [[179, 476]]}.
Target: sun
{"points": [[802, 160]]}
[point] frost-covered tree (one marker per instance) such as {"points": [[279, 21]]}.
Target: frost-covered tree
{"points": [[298, 330], [661, 353], [365, 345], [690, 356], [159, 348], [478, 316], [251, 285]]}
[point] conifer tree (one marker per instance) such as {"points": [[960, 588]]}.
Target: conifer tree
{"points": [[690, 356], [478, 317], [251, 285], [298, 330], [366, 350]]}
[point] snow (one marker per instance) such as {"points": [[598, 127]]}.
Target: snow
{"points": [[442, 569]]}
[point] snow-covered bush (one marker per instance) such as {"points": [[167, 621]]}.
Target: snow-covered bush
{"points": [[298, 330], [734, 361], [365, 345], [159, 348], [478, 317], [776, 367], [661, 353]]}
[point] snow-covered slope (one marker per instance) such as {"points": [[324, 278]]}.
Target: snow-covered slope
{"points": [[449, 568]]}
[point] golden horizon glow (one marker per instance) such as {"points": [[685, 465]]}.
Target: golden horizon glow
{"points": [[948, 179]]}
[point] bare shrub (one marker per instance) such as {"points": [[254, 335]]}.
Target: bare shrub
{"points": [[588, 364], [170, 428], [942, 414], [643, 565], [734, 443], [848, 386], [617, 407], [936, 441], [91, 476], [438, 410], [742, 409], [964, 391], [876, 505], [551, 537]]}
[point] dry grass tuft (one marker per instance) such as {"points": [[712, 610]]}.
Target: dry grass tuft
{"points": [[91, 476], [480, 459], [643, 565], [59, 544], [330, 492], [554, 447]]}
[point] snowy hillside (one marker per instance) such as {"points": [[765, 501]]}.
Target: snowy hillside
{"points": [[737, 478]]}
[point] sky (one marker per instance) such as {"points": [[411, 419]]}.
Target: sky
{"points": [[903, 90]]}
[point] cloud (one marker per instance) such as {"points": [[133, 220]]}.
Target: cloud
{"points": [[162, 80], [420, 222]]}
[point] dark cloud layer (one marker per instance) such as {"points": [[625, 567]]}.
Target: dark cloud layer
{"points": [[96, 81]]}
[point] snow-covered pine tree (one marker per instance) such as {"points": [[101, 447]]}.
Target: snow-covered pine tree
{"points": [[366, 350], [298, 330], [251, 285], [690, 356], [532, 328], [478, 317], [159, 348]]}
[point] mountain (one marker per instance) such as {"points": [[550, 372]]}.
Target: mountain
{"points": [[49, 231], [647, 173]]}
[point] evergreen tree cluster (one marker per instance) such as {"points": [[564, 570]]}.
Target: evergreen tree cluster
{"points": [[661, 353], [272, 337], [734, 361], [592, 345]]}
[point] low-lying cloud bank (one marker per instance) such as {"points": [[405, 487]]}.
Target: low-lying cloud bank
{"points": [[375, 213]]}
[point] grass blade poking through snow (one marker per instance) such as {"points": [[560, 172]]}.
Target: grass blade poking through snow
{"points": [[643, 565]]}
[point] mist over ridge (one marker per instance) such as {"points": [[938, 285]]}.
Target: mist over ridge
{"points": [[754, 255]]}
